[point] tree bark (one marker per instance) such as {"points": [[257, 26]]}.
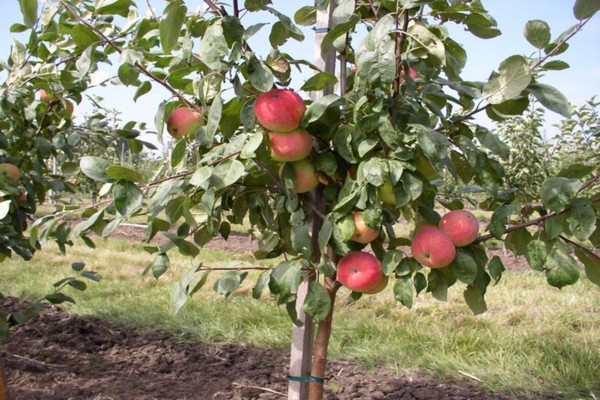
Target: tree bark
{"points": [[3, 385]]}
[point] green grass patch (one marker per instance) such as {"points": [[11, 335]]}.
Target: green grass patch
{"points": [[534, 339]]}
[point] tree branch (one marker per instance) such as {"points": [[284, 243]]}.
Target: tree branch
{"points": [[73, 11]]}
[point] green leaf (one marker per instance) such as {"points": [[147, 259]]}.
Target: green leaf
{"points": [[213, 47], [170, 25], [128, 74], [186, 248], [551, 98], [582, 219], [178, 153], [576, 171], [585, 9], [319, 81], [482, 25], [517, 241], [561, 268], [58, 298], [426, 43], [306, 16], [227, 173], [286, 277], [336, 32], [492, 142], [212, 124], [261, 283], [554, 226], [95, 168], [260, 75], [475, 300], [110, 7], [496, 268], [591, 262], [537, 32], [317, 302], [555, 65], [144, 88], [512, 78], [536, 254], [391, 261], [434, 145], [557, 193], [128, 198], [189, 284], [403, 291], [29, 9], [117, 172], [464, 267]]}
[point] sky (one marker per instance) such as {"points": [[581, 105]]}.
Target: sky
{"points": [[579, 83]]}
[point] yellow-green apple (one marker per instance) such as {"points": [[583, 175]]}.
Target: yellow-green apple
{"points": [[184, 121], [432, 247], [386, 193], [68, 109], [461, 226], [290, 146], [362, 232], [382, 284], [359, 271], [279, 110], [305, 176], [10, 171]]}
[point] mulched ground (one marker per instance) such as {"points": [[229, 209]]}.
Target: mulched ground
{"points": [[63, 356]]}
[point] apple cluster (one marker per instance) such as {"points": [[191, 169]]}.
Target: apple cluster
{"points": [[280, 112], [435, 246]]}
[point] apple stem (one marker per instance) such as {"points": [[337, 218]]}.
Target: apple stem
{"points": [[321, 344]]}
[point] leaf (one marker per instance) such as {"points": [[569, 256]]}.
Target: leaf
{"points": [[110, 7], [512, 78], [226, 173], [391, 261], [591, 262], [170, 25], [95, 168], [158, 266], [261, 283], [536, 254], [555, 65], [29, 9], [178, 153], [213, 46], [464, 267], [319, 81], [58, 298], [576, 171], [128, 74], [144, 88], [4, 208], [551, 98], [427, 41], [128, 198], [117, 172], [434, 145], [561, 268], [260, 75], [554, 226], [492, 142], [556, 193], [286, 277], [582, 219], [496, 268], [306, 16], [317, 302], [584, 9], [537, 32], [229, 282], [475, 300], [212, 123], [517, 241], [403, 291]]}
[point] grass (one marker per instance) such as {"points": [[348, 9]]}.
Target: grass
{"points": [[534, 340]]}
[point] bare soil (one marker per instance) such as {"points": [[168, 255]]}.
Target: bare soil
{"points": [[58, 355]]}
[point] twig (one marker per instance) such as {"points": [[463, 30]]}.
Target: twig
{"points": [[259, 388], [151, 10], [585, 249], [32, 360], [470, 376]]}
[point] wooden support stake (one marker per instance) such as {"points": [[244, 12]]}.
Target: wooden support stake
{"points": [[302, 336]]}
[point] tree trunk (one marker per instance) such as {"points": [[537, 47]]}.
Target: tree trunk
{"points": [[321, 344], [3, 385]]}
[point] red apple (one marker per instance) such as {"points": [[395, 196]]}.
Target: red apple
{"points": [[359, 271], [290, 146], [22, 197], [362, 232], [432, 247], [184, 121], [46, 97], [382, 284], [10, 171], [386, 193], [279, 110], [461, 226], [305, 177]]}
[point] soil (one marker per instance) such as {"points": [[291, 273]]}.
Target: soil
{"points": [[58, 355]]}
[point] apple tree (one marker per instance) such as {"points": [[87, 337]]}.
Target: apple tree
{"points": [[390, 120]]}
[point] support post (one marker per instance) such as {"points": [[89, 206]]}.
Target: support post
{"points": [[303, 336]]}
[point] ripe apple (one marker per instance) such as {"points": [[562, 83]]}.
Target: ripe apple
{"points": [[432, 247], [461, 226], [10, 171], [290, 146], [386, 193], [359, 271], [305, 177], [382, 284], [183, 121], [46, 97], [362, 233], [279, 110], [22, 197]]}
